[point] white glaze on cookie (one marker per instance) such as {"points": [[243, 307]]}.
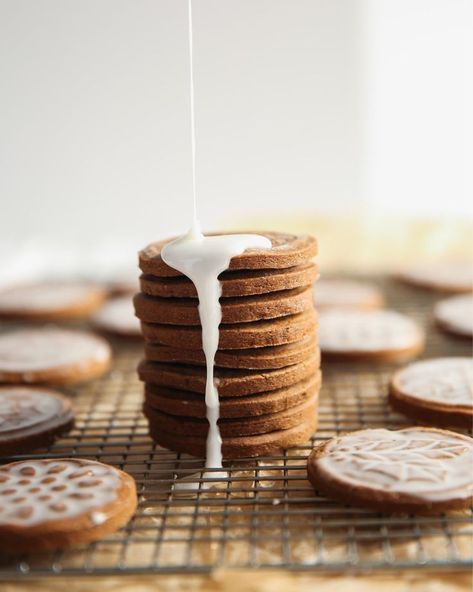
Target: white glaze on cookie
{"points": [[428, 464], [44, 298], [118, 315], [453, 275], [333, 293], [27, 350], [456, 314], [448, 381], [35, 491], [21, 407], [366, 331]]}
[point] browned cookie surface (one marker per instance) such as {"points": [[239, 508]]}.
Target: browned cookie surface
{"points": [[251, 359], [234, 283], [54, 503], [184, 311], [175, 402], [419, 469], [31, 418], [264, 333], [230, 383], [288, 250]]}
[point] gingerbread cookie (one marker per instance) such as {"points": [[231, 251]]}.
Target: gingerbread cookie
{"points": [[230, 383], [237, 336], [369, 335], [332, 293], [50, 301], [234, 283], [438, 391], [455, 315], [252, 359], [239, 447], [288, 250], [49, 504], [52, 356], [453, 277], [117, 318], [411, 470], [188, 404], [31, 418], [184, 311]]}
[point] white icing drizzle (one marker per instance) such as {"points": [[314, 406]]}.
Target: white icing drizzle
{"points": [[44, 297], [456, 313], [118, 315], [371, 330], [35, 491], [22, 408], [27, 350], [443, 380], [345, 294], [430, 465]]}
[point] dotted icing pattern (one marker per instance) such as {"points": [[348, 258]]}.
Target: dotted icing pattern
{"points": [[32, 492], [430, 465], [378, 330], [445, 380], [456, 313], [20, 408]]}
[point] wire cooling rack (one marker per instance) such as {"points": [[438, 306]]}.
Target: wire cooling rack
{"points": [[265, 515]]}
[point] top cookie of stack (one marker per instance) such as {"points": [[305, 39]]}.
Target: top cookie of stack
{"points": [[267, 362]]}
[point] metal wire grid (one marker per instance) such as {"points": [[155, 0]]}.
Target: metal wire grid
{"points": [[265, 514]]}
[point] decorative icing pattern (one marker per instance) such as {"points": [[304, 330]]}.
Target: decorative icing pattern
{"points": [[345, 293], [40, 349], [371, 330], [444, 380], [454, 275], [36, 491], [431, 465], [44, 297], [456, 313], [118, 315], [22, 408]]}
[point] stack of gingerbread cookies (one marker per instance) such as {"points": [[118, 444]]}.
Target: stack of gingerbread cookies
{"points": [[267, 365]]}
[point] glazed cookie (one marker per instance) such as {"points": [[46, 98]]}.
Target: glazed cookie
{"points": [[252, 359], [31, 418], [52, 356], [419, 470], [454, 277], [265, 333], [239, 447], [369, 335], [117, 318], [332, 293], [234, 283], [230, 383], [288, 250], [438, 391], [455, 315], [186, 403], [49, 504], [50, 301], [184, 311]]}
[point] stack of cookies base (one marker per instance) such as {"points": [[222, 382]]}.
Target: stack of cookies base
{"points": [[267, 366]]}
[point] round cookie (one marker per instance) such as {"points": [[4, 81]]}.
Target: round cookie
{"points": [[231, 427], [264, 333], [453, 277], [455, 315], [188, 404], [117, 318], [438, 391], [234, 283], [50, 504], [50, 355], [252, 359], [230, 383], [288, 250], [239, 447], [419, 470], [381, 335], [50, 301], [333, 293], [31, 418], [184, 311]]}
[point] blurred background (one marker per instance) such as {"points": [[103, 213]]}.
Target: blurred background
{"points": [[349, 119]]}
